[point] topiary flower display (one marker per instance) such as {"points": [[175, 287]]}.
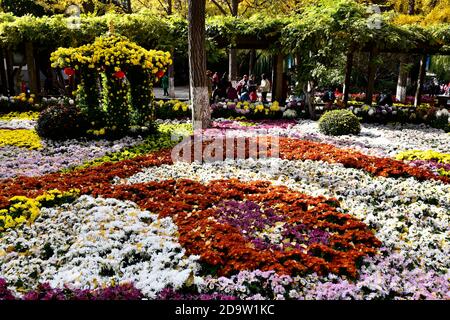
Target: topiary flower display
{"points": [[339, 122], [127, 73]]}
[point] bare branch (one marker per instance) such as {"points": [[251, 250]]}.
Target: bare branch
{"points": [[221, 9]]}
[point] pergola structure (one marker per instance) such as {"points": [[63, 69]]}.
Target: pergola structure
{"points": [[267, 43], [48, 33]]}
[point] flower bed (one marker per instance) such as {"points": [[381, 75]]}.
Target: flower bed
{"points": [[20, 138], [331, 218]]}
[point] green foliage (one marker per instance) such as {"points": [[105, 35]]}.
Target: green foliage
{"points": [[162, 140], [149, 31], [440, 65], [141, 96], [261, 27], [339, 122], [22, 7], [61, 122], [325, 25], [88, 97], [115, 102]]}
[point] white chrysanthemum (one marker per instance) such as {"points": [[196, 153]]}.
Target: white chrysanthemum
{"points": [[98, 242]]}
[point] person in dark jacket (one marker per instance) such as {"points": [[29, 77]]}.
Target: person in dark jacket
{"points": [[385, 99]]}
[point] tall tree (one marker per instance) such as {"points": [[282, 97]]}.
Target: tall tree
{"points": [[201, 114]]}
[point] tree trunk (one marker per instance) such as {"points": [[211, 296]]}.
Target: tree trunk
{"points": [[10, 72], [201, 113], [232, 65], [171, 70], [169, 7], [232, 55], [171, 75], [348, 76], [235, 7], [279, 79], [3, 77], [420, 81], [402, 79], [252, 61], [128, 8], [371, 75], [31, 67], [309, 98], [274, 76], [411, 7]]}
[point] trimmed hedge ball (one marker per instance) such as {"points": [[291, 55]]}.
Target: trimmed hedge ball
{"points": [[339, 122], [60, 122]]}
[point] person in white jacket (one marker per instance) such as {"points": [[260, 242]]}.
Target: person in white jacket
{"points": [[264, 87]]}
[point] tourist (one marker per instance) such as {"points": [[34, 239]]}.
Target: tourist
{"points": [[245, 96], [253, 96], [385, 99], [337, 92], [224, 80], [165, 85], [219, 93], [231, 92], [252, 84], [242, 86], [209, 75], [215, 80], [264, 87], [328, 96]]}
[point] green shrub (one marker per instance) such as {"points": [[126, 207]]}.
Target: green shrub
{"points": [[339, 122], [61, 122]]}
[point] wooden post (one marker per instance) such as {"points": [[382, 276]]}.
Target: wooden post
{"points": [[274, 76], [3, 77], [31, 67], [38, 71], [252, 61], [232, 54], [232, 65], [420, 81], [371, 75], [402, 79], [279, 78], [348, 75]]}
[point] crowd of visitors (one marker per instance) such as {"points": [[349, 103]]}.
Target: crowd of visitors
{"points": [[247, 89]]}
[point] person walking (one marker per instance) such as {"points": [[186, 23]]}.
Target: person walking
{"points": [[165, 85], [264, 87]]}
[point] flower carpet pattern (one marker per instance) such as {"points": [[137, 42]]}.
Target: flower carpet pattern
{"points": [[336, 218]]}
